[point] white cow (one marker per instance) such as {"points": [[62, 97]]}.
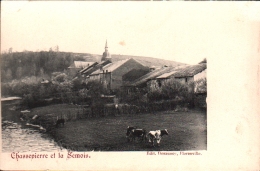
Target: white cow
{"points": [[156, 135]]}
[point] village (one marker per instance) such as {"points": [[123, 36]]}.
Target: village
{"points": [[115, 94], [130, 77]]}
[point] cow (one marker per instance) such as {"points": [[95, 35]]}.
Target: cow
{"points": [[60, 121], [156, 135], [133, 132]]}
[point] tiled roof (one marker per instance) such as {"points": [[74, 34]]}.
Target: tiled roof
{"points": [[184, 71], [172, 72], [96, 67], [191, 70], [166, 75], [151, 75], [86, 68], [98, 71], [115, 65], [112, 66]]}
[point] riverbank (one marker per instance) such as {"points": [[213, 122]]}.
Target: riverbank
{"points": [[17, 135], [187, 130]]}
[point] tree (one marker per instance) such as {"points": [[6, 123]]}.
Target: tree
{"points": [[57, 48], [10, 50], [41, 72], [154, 91], [19, 72], [9, 75], [200, 85], [33, 69], [60, 78], [95, 90]]}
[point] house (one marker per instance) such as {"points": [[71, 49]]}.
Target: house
{"points": [[77, 66], [96, 66], [133, 75], [190, 73], [140, 84], [184, 74], [169, 74], [200, 79], [112, 74]]}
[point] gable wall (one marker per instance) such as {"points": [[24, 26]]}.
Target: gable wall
{"points": [[117, 74]]}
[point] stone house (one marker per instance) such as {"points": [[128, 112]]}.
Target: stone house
{"points": [[77, 66], [112, 74]]}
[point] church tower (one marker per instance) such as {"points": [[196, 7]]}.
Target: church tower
{"points": [[106, 55]]}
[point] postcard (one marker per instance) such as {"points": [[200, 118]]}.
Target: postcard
{"points": [[130, 86]]}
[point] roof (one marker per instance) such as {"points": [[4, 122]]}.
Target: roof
{"points": [[191, 70], [166, 75], [151, 75], [95, 67], [86, 68], [134, 74], [80, 64], [98, 71], [113, 66], [172, 72]]}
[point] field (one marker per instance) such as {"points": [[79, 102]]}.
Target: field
{"points": [[187, 131]]}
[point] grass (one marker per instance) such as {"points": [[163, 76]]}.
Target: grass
{"points": [[187, 131]]}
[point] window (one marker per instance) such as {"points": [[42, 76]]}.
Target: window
{"points": [[159, 83]]}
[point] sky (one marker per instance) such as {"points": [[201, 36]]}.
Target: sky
{"points": [[178, 31]]}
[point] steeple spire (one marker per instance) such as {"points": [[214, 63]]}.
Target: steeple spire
{"points": [[106, 45], [106, 54]]}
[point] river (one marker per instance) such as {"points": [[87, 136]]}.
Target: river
{"points": [[17, 137]]}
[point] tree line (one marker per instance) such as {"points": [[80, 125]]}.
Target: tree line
{"points": [[17, 65]]}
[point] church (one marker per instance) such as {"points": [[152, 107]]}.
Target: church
{"points": [[112, 74]]}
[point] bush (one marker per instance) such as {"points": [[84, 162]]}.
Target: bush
{"points": [[168, 90]]}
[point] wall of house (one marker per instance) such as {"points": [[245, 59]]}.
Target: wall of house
{"points": [[200, 75], [200, 86], [94, 77], [183, 79], [105, 79], [117, 74]]}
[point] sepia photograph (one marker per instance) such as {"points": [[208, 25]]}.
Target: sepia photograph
{"points": [[85, 78], [82, 101]]}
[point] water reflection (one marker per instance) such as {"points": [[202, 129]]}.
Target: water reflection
{"points": [[17, 139]]}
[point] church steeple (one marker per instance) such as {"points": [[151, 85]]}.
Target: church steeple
{"points": [[106, 55], [106, 45]]}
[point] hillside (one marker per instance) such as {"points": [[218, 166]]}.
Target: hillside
{"points": [[147, 61], [18, 65]]}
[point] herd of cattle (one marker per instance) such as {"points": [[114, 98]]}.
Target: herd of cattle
{"points": [[151, 136], [132, 133]]}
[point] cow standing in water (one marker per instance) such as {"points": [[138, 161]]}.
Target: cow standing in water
{"points": [[133, 132], [156, 136]]}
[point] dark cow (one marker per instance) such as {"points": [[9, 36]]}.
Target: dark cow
{"points": [[156, 135], [132, 133], [60, 121]]}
